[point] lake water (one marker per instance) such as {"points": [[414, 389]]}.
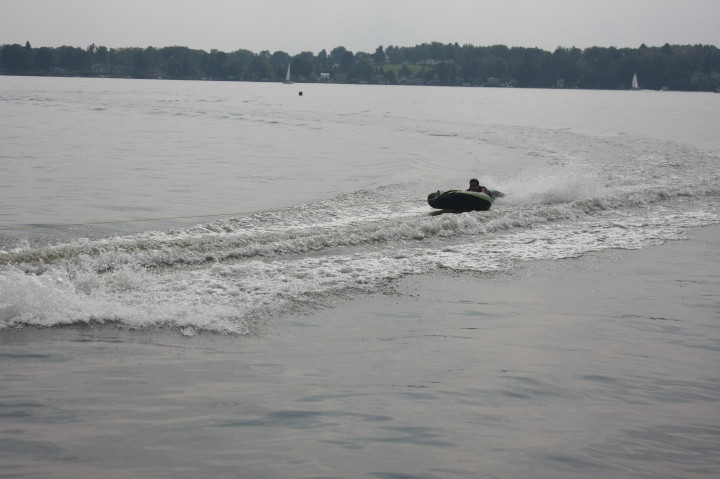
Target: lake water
{"points": [[207, 279]]}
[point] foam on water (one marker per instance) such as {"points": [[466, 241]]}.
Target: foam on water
{"points": [[234, 274], [567, 194]]}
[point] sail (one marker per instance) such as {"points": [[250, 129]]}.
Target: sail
{"points": [[287, 76], [634, 82]]}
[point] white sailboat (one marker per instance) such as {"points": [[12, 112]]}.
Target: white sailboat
{"points": [[635, 82], [287, 76]]}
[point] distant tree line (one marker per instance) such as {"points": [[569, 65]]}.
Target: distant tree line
{"points": [[675, 67]]}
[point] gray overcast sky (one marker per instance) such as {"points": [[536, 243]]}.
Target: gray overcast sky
{"points": [[312, 25]]}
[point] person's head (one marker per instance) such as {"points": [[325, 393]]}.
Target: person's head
{"points": [[474, 182]]}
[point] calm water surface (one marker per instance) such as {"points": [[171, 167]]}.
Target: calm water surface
{"points": [[142, 337]]}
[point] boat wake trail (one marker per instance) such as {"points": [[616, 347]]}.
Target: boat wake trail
{"points": [[233, 275]]}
